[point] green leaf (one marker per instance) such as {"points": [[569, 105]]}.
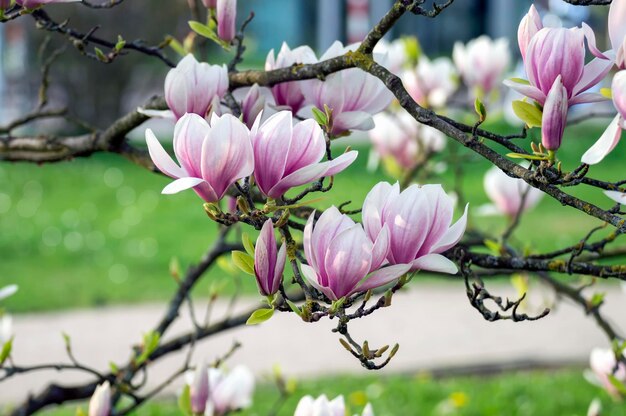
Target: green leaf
{"points": [[617, 384], [101, 56], [525, 156], [208, 32], [150, 343], [413, 48], [184, 401], [174, 267], [520, 81], [293, 307], [528, 113], [259, 316], [176, 46], [606, 93], [80, 412], [597, 299], [6, 351], [113, 367], [244, 261], [493, 246], [120, 43], [480, 109], [319, 116], [247, 244]]}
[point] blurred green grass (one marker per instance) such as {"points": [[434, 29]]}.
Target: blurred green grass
{"points": [[538, 393], [97, 231]]}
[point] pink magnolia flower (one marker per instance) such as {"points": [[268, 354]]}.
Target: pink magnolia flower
{"points": [[342, 260], [288, 155], [419, 224], [431, 83], [194, 87], [552, 52], [269, 262], [611, 136], [399, 136], [212, 157], [617, 32], [31, 4], [603, 364], [507, 193], [289, 94], [353, 95], [226, 15], [228, 392], [199, 389], [309, 406], [100, 402], [482, 62]]}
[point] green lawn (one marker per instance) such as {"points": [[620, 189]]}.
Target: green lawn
{"points": [[553, 393], [97, 231]]}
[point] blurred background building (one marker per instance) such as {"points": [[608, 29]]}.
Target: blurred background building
{"points": [[129, 81]]}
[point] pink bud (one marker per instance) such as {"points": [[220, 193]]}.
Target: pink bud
{"points": [[528, 27], [288, 155], [100, 403], [199, 389], [5, 4], [268, 262], [226, 19], [554, 116], [210, 4], [419, 222], [192, 86]]}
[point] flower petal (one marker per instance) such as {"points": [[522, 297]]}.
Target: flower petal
{"points": [[453, 235], [605, 143], [616, 196], [435, 263], [161, 159], [383, 276], [181, 184]]}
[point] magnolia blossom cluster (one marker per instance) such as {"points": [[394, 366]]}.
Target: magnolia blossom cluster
{"points": [[214, 155], [321, 406], [352, 95]]}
